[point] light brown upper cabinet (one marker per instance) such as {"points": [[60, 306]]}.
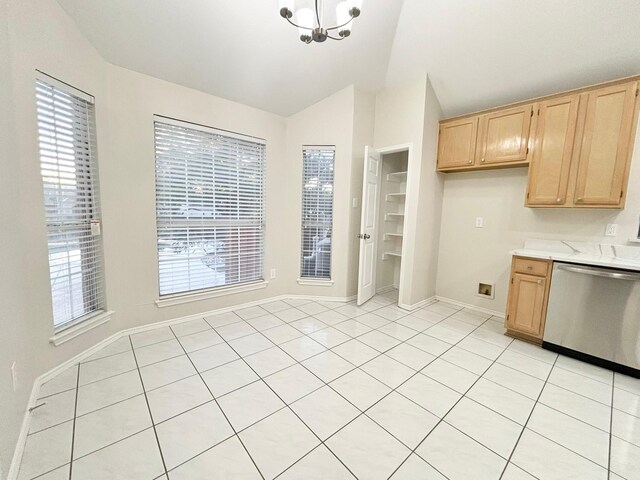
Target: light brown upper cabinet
{"points": [[553, 141], [493, 140], [577, 145], [605, 154], [457, 144], [504, 136]]}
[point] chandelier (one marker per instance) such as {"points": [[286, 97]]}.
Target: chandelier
{"points": [[310, 20]]}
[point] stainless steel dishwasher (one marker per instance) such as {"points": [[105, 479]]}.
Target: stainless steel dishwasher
{"points": [[594, 315]]}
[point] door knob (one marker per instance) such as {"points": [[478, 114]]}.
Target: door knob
{"points": [[367, 236], [364, 236], [360, 235]]}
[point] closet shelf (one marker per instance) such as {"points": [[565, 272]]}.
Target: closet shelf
{"points": [[394, 235], [395, 196], [397, 177], [391, 254], [393, 216]]}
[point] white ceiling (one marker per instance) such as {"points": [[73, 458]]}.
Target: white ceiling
{"points": [[478, 53], [484, 53]]}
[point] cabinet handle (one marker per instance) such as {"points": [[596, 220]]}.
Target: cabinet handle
{"points": [[529, 267], [558, 200], [470, 162], [482, 160], [539, 282]]}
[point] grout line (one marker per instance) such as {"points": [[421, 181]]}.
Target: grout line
{"points": [[73, 431], [577, 393], [146, 398], [440, 419], [221, 410], [303, 335], [613, 389], [42, 475], [286, 405], [132, 349], [524, 427], [112, 443]]}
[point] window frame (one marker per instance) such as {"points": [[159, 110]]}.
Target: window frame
{"points": [[195, 294], [306, 279], [88, 164]]}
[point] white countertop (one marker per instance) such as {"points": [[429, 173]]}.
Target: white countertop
{"points": [[603, 255]]}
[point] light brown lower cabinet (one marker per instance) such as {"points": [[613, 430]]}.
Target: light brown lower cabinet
{"points": [[528, 298]]}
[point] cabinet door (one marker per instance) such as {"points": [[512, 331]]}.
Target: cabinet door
{"points": [[457, 143], [552, 149], [504, 136], [526, 304], [606, 143]]}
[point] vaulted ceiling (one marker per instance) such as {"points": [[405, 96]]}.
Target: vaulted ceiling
{"points": [[478, 53]]}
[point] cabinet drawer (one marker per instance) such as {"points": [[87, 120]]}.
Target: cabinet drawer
{"points": [[531, 267]]}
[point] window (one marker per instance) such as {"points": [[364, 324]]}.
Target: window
{"points": [[66, 132], [317, 211], [209, 207]]}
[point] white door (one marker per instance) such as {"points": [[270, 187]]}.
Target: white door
{"points": [[369, 225]]}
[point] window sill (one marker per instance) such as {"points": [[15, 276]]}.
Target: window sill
{"points": [[312, 282], [171, 300], [81, 327], [634, 240]]}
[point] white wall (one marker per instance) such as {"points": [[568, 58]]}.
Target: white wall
{"points": [[128, 190], [428, 206], [39, 35], [407, 113], [42, 36], [328, 122], [469, 255], [12, 280]]}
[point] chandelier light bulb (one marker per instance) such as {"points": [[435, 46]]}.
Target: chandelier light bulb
{"points": [[305, 19], [344, 19], [286, 8], [310, 21]]}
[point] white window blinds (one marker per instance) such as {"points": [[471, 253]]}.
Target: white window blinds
{"points": [[66, 132], [317, 211], [209, 207]]}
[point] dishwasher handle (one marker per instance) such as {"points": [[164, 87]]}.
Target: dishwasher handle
{"points": [[597, 272]]}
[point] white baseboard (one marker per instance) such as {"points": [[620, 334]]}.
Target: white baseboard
{"points": [[45, 377], [388, 288], [471, 307], [420, 304]]}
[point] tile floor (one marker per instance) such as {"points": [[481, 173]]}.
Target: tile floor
{"points": [[318, 390]]}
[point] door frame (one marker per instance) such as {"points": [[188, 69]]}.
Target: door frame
{"points": [[402, 147]]}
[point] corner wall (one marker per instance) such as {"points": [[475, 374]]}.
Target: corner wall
{"points": [[39, 35], [408, 113], [328, 122], [12, 280]]}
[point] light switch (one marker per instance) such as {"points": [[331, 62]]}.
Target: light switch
{"points": [[479, 222]]}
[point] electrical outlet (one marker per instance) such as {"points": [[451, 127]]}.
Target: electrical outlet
{"points": [[479, 222], [14, 376], [273, 273], [612, 230]]}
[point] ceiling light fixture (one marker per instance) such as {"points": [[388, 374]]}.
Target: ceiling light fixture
{"points": [[310, 23]]}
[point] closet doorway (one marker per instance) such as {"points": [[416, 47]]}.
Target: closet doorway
{"points": [[382, 227]]}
